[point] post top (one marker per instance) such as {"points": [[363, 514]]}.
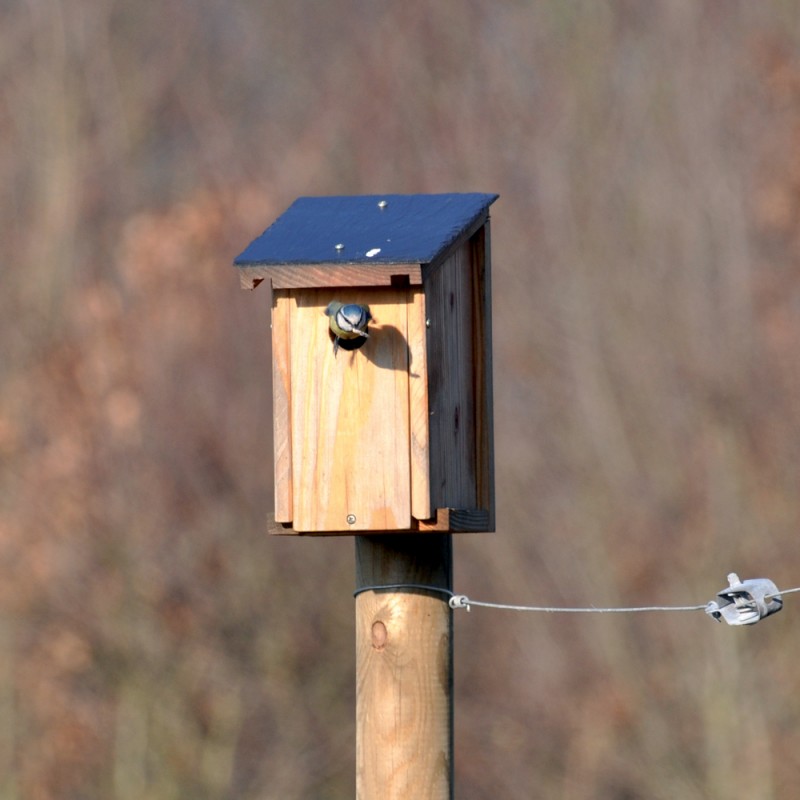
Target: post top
{"points": [[366, 229]]}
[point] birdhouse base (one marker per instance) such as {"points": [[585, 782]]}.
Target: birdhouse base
{"points": [[447, 520]]}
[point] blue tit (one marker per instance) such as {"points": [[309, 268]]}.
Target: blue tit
{"points": [[348, 321]]}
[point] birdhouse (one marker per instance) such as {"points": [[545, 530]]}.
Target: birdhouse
{"points": [[382, 363]]}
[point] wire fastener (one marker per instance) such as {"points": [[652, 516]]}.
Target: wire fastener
{"points": [[745, 602]]}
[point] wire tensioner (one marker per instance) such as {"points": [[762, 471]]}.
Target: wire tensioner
{"points": [[745, 602]]}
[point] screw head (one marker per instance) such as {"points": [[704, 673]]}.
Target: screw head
{"points": [[339, 247], [382, 204], [351, 519]]}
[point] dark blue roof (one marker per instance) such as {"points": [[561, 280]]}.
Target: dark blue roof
{"points": [[390, 228]]}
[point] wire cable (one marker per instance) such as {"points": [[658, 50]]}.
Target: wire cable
{"points": [[462, 601]]}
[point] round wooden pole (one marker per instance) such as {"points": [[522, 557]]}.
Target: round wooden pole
{"points": [[404, 669]]}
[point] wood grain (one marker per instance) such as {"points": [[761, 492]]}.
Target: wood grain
{"points": [[418, 408], [404, 670], [350, 417], [458, 305], [281, 411], [444, 520], [484, 393], [451, 374], [457, 520], [297, 276]]}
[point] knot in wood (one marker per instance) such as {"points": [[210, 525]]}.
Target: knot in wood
{"points": [[379, 635]]}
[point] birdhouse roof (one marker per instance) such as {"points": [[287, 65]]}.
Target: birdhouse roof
{"points": [[367, 229]]}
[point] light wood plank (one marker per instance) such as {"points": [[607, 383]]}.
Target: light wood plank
{"points": [[350, 418], [296, 276], [418, 408], [281, 404]]}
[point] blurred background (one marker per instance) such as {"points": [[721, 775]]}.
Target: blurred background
{"points": [[154, 642]]}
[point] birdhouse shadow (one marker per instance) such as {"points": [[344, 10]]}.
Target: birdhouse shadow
{"points": [[385, 345]]}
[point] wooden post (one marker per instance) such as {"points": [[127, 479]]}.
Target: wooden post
{"points": [[404, 669]]}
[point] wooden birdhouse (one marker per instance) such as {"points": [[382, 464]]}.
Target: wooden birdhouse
{"points": [[391, 430]]}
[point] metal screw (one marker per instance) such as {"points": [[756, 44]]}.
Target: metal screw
{"points": [[427, 323], [351, 519], [382, 204], [339, 247]]}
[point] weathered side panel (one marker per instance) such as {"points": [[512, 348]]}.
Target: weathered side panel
{"points": [[458, 302], [451, 374], [484, 393]]}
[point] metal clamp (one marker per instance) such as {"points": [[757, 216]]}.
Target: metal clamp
{"points": [[745, 602], [459, 601]]}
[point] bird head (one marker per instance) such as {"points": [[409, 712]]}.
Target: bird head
{"points": [[348, 323], [348, 320]]}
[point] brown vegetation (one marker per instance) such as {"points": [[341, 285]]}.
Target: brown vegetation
{"points": [[646, 255]]}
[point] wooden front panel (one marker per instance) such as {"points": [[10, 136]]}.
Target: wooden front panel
{"points": [[351, 460]]}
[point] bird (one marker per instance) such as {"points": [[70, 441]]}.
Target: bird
{"points": [[348, 321]]}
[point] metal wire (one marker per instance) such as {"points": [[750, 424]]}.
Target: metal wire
{"points": [[782, 592], [465, 602], [462, 601]]}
